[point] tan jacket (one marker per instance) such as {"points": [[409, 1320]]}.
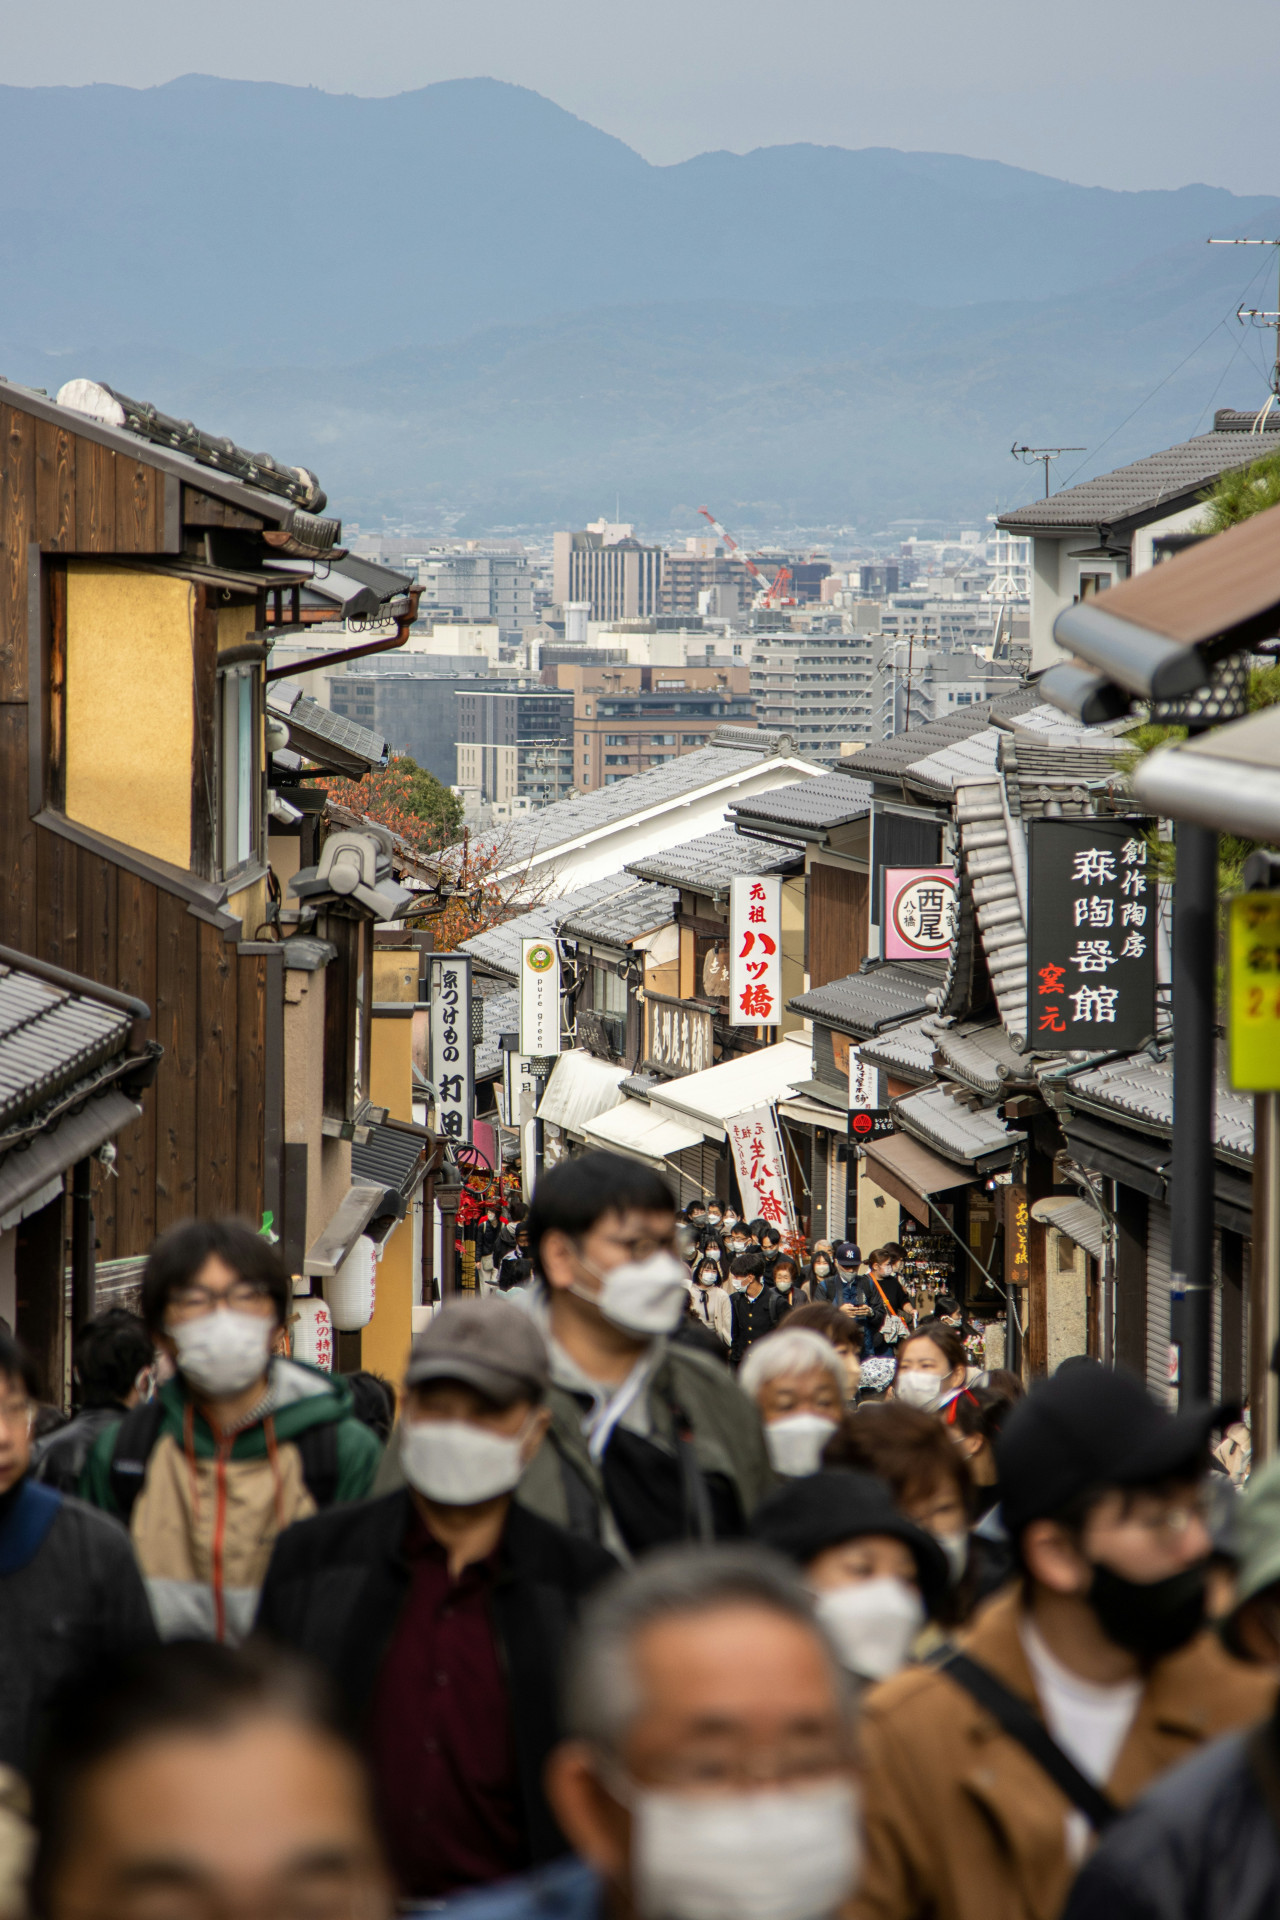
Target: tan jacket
{"points": [[961, 1822]]}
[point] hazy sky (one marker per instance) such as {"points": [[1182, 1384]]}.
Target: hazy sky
{"points": [[1122, 93]]}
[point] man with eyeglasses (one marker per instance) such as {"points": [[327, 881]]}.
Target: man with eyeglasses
{"points": [[236, 1446], [70, 1591], [990, 1772]]}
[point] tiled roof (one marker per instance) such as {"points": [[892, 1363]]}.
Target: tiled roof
{"points": [[995, 856], [1140, 1090], [625, 917], [390, 1157], [50, 1039], [316, 727], [1160, 479], [550, 827], [980, 1054], [499, 947], [905, 1052], [887, 758], [832, 800], [866, 1003], [501, 1015], [708, 863], [946, 1120]]}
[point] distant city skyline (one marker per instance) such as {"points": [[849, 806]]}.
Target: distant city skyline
{"points": [[1155, 93]]}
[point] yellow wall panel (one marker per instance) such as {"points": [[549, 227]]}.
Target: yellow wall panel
{"points": [[129, 708]]}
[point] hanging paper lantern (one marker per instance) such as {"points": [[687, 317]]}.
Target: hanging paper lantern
{"points": [[350, 1292], [313, 1333]]}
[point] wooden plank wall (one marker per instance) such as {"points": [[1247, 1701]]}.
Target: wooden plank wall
{"points": [[199, 1144]]}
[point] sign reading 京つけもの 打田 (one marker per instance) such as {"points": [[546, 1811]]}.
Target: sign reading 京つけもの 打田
{"points": [[761, 1168], [539, 997], [1092, 936], [755, 951], [452, 1062], [919, 912]]}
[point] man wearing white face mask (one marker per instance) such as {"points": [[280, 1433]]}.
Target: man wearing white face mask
{"points": [[235, 1446], [709, 1775], [650, 1441], [441, 1610]]}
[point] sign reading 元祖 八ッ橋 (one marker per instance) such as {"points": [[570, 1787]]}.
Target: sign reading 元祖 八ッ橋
{"points": [[755, 951], [1092, 936]]}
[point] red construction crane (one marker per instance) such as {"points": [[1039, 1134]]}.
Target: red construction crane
{"points": [[770, 593]]}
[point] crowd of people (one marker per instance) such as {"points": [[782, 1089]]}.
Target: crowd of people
{"points": [[678, 1578]]}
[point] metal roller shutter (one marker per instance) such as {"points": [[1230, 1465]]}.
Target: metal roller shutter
{"points": [[1159, 1253]]}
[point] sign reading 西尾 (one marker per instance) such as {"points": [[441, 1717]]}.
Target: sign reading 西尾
{"points": [[452, 1062], [1091, 943], [1253, 1030], [678, 1038], [755, 951], [920, 912], [762, 1168], [539, 997]]}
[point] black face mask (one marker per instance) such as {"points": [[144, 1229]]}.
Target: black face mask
{"points": [[1150, 1618]]}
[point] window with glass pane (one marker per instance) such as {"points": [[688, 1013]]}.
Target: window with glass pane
{"points": [[238, 824]]}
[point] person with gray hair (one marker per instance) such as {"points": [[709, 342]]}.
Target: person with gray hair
{"points": [[797, 1380], [708, 1772]]}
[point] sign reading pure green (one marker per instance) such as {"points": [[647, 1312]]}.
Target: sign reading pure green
{"points": [[1253, 950]]}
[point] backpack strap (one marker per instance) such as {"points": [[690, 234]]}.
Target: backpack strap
{"points": [[135, 1438], [318, 1449], [1016, 1719]]}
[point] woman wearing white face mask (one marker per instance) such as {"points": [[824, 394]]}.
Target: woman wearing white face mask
{"points": [[877, 1577], [460, 1602], [797, 1380], [931, 1367]]}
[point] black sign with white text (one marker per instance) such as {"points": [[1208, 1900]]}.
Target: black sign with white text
{"points": [[1094, 903], [870, 1123]]}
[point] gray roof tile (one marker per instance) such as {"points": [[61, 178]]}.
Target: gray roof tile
{"points": [[1139, 1089], [905, 1052], [832, 800], [390, 1157], [627, 916], [867, 1003], [501, 1015], [941, 1118], [1158, 480], [300, 711], [887, 758], [50, 1038], [708, 863], [499, 947]]}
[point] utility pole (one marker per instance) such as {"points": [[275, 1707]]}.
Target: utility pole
{"points": [[1260, 316], [1195, 915], [1030, 455]]}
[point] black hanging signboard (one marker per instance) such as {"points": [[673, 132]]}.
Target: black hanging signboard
{"points": [[1091, 975]]}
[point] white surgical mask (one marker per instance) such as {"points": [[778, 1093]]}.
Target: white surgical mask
{"points": [[709, 1277], [783, 1283], [956, 1548], [873, 1623], [457, 1463], [223, 1352], [821, 1267], [795, 1443], [923, 1390], [642, 1296], [776, 1854]]}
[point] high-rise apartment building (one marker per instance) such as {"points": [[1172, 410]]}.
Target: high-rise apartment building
{"points": [[819, 688], [516, 743], [629, 718], [493, 587], [606, 568], [687, 576]]}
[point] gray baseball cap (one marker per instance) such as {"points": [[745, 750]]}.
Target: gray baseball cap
{"points": [[491, 1345]]}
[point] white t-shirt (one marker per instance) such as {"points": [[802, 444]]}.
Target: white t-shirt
{"points": [[1089, 1722]]}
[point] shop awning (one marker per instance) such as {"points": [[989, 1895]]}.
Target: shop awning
{"points": [[715, 1096], [1076, 1218], [815, 1113], [644, 1132], [49, 1154], [910, 1172], [581, 1088]]}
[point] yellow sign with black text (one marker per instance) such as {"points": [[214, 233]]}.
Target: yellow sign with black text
{"points": [[1253, 992]]}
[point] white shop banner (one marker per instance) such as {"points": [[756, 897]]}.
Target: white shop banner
{"points": [[866, 1083], [755, 951], [539, 997], [452, 1062], [762, 1168]]}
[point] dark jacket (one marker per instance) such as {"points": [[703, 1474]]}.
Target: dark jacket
{"points": [[754, 1319], [1200, 1845], [336, 1585], [60, 1458], [71, 1597]]}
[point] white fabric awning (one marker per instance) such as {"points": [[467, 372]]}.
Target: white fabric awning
{"points": [[1076, 1218], [644, 1132], [580, 1088], [712, 1098]]}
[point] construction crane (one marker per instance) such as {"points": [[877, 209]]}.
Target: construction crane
{"points": [[770, 592]]}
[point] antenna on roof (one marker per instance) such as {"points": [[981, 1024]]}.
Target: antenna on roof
{"points": [[1028, 455], [1259, 317]]}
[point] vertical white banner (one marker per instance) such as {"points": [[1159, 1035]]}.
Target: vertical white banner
{"points": [[762, 1168], [452, 1061], [755, 951], [539, 997], [865, 1083]]}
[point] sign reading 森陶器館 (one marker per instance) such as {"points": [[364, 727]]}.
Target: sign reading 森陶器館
{"points": [[755, 951], [677, 1038], [919, 912], [1253, 950], [1093, 917], [761, 1168], [539, 997], [452, 1061]]}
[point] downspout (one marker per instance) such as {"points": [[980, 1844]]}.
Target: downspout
{"points": [[404, 622]]}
